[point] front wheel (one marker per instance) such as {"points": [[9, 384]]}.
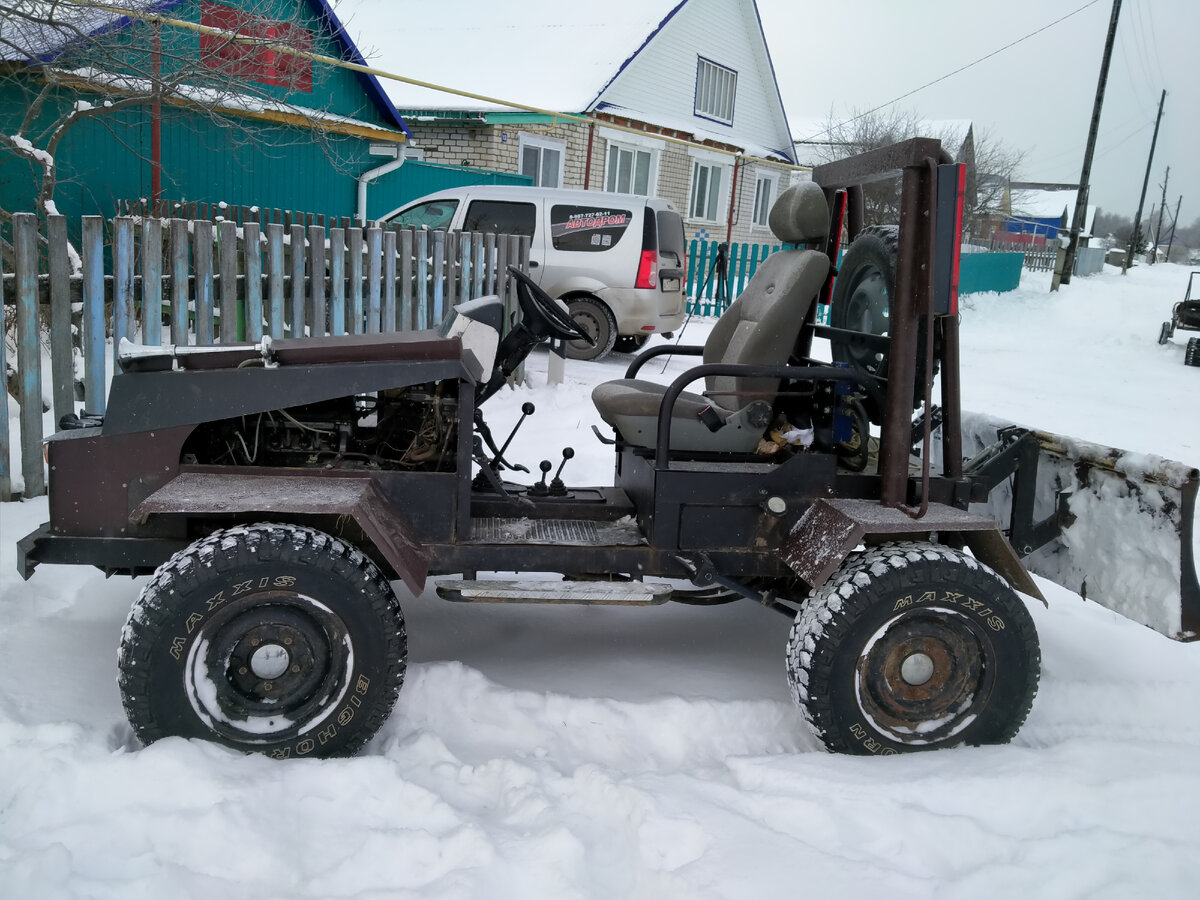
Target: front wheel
{"points": [[913, 647], [271, 638]]}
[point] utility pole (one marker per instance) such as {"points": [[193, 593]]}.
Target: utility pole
{"points": [[1161, 209], [1081, 198], [1174, 225], [1145, 184]]}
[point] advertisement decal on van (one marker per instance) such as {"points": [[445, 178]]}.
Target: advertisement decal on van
{"points": [[583, 228]]}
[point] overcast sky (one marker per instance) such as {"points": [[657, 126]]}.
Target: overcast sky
{"points": [[1036, 96]]}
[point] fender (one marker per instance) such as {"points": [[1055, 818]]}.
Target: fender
{"points": [[244, 493]]}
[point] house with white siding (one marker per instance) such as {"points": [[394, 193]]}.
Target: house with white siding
{"points": [[669, 98]]}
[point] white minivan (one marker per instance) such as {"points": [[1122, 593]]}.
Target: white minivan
{"points": [[616, 260]]}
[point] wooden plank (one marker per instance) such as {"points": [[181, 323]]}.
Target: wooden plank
{"points": [[93, 314], [477, 265], [421, 288], [354, 281], [179, 281], [405, 259], [316, 278], [202, 265], [387, 312], [122, 308], [152, 267], [489, 264], [275, 319], [227, 247], [374, 244], [337, 281], [62, 355], [252, 265], [297, 253], [29, 352], [438, 277]]}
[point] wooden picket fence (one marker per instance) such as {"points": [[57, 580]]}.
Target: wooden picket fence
{"points": [[193, 281], [1043, 257], [703, 279]]}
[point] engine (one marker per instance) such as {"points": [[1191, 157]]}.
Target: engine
{"points": [[412, 428]]}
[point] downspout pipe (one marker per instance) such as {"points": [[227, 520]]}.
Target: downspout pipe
{"points": [[371, 175]]}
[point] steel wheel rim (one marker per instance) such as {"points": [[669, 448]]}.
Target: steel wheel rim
{"points": [[270, 666], [868, 311], [923, 677]]}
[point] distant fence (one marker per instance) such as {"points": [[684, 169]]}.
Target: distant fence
{"points": [[1042, 257], [192, 281]]}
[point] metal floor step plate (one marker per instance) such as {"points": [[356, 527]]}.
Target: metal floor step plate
{"points": [[603, 593], [570, 532]]}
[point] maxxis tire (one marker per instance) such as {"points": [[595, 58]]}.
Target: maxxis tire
{"points": [[1191, 354], [630, 343], [271, 638], [594, 318], [913, 646]]}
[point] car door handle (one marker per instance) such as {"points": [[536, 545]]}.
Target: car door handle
{"points": [[533, 264]]}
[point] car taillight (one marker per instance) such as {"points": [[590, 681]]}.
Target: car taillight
{"points": [[647, 276]]}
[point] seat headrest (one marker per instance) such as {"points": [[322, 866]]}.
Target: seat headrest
{"points": [[800, 215]]}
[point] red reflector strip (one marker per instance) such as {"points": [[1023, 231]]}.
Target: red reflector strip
{"points": [[958, 221]]}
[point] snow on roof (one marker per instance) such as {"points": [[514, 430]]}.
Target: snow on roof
{"points": [[25, 37], [549, 54], [1036, 204]]}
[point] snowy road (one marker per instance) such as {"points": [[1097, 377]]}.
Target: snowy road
{"points": [[611, 753]]}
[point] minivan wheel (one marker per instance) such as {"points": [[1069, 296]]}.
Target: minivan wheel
{"points": [[595, 320]]}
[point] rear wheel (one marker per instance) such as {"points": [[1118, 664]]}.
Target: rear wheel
{"points": [[913, 647], [595, 320], [277, 639], [1191, 355]]}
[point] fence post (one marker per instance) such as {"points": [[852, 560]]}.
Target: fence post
{"points": [[93, 314], [374, 242], [477, 265], [337, 281], [29, 352], [316, 279], [422, 293], [227, 262], [179, 281], [275, 279], [62, 356], [406, 280], [439, 267], [354, 273], [298, 293], [122, 308], [202, 259], [252, 263], [388, 313], [152, 281]]}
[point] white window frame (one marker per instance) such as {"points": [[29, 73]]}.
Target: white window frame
{"points": [[702, 165], [634, 144], [716, 91], [524, 140], [761, 211]]}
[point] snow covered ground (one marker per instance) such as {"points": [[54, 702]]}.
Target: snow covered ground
{"points": [[644, 753]]}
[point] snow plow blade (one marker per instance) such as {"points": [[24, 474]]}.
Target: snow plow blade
{"points": [[1116, 527]]}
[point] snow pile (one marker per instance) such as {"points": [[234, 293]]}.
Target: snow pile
{"points": [[542, 752]]}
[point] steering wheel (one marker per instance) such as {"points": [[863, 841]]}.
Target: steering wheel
{"points": [[542, 311]]}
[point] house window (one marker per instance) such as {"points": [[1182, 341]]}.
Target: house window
{"points": [[630, 170], [254, 62], [764, 196], [542, 159], [708, 191], [716, 87]]}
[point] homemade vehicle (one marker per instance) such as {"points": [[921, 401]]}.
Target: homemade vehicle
{"points": [[1185, 315], [275, 491]]}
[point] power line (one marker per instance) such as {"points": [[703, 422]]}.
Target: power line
{"points": [[955, 72]]}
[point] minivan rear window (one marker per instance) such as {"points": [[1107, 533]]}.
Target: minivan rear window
{"points": [[500, 217], [433, 214], [670, 236], [587, 228]]}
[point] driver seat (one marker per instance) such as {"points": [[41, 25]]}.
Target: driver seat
{"points": [[760, 327]]}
